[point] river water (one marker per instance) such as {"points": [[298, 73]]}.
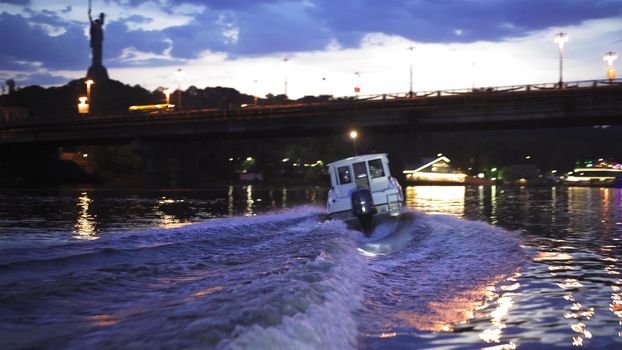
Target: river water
{"points": [[244, 267]]}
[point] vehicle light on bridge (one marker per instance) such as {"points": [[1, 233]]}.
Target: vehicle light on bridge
{"points": [[83, 107]]}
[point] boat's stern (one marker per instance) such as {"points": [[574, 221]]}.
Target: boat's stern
{"points": [[362, 187]]}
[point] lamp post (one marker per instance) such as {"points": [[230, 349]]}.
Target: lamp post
{"points": [[286, 68], [178, 74], [357, 85], [167, 95], [353, 136], [610, 57], [410, 92], [88, 89], [561, 38]]}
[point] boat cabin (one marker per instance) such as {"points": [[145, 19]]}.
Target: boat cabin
{"points": [[365, 172]]}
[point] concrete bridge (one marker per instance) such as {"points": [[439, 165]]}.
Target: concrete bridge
{"points": [[584, 103]]}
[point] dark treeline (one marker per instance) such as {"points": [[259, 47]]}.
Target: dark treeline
{"points": [[114, 97]]}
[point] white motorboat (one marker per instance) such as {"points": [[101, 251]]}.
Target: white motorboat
{"points": [[362, 188]]}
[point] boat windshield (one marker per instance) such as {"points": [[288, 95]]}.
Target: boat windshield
{"points": [[375, 168], [344, 175], [360, 175]]}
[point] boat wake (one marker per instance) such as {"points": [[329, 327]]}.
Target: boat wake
{"points": [[431, 273], [277, 281]]}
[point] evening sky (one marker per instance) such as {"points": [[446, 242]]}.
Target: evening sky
{"points": [[331, 46]]}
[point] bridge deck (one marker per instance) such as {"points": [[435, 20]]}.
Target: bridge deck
{"points": [[578, 105]]}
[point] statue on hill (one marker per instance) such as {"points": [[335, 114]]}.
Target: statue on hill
{"points": [[97, 71]]}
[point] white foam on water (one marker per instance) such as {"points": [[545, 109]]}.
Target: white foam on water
{"points": [[433, 271], [390, 236], [329, 324]]}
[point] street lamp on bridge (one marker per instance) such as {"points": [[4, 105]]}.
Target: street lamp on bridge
{"points": [[286, 68], [410, 58], [167, 95], [88, 89], [178, 75], [357, 84], [561, 38], [610, 57]]}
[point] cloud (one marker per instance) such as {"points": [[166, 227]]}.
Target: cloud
{"points": [[34, 43], [44, 79], [280, 27], [154, 17], [435, 21], [135, 57]]}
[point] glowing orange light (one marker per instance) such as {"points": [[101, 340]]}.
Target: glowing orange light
{"points": [[167, 94], [88, 88], [83, 107]]}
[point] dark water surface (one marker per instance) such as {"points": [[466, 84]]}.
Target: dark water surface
{"points": [[246, 267]]}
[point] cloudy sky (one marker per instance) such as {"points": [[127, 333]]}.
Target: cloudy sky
{"points": [[331, 45]]}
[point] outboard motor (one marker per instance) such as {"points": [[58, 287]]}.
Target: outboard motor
{"points": [[363, 208]]}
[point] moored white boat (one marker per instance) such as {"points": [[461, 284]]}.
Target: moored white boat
{"points": [[596, 176]]}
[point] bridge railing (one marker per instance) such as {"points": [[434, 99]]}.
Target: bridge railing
{"points": [[12, 114], [494, 89], [278, 109]]}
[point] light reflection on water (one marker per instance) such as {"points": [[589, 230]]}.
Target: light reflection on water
{"points": [[498, 317], [249, 200], [168, 220], [436, 199], [85, 224], [88, 214], [572, 287]]}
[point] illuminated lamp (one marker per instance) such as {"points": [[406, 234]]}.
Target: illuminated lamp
{"points": [[83, 107]]}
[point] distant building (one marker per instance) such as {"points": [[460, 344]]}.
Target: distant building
{"points": [[522, 174], [434, 170]]}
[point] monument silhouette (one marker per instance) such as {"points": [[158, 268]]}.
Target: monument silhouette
{"points": [[97, 71]]}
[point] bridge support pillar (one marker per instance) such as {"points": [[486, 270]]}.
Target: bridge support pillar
{"points": [[402, 151], [172, 164], [189, 169], [156, 173]]}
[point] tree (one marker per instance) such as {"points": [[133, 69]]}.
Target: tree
{"points": [[10, 83]]}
